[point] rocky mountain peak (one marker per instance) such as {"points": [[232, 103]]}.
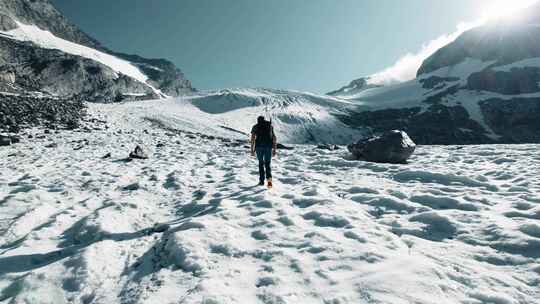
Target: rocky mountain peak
{"points": [[49, 54], [44, 15], [502, 41]]}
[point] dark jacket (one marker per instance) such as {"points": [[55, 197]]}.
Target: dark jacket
{"points": [[264, 133]]}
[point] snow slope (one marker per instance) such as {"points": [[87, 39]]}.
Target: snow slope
{"points": [[455, 225], [46, 39], [297, 117]]}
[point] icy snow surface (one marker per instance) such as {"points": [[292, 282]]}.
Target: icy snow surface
{"points": [[188, 225]]}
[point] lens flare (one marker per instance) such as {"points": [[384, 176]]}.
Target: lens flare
{"points": [[504, 9]]}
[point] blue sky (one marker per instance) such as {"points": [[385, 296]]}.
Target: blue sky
{"points": [[309, 45]]}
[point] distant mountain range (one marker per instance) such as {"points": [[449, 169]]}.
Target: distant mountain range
{"points": [[482, 88], [42, 52]]}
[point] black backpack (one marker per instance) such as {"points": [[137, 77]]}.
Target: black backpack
{"points": [[264, 134]]}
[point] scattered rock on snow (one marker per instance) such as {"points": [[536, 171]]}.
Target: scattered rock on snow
{"points": [[108, 155], [328, 147], [131, 187], [390, 147], [283, 147], [138, 153]]}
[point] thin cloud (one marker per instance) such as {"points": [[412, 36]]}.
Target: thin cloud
{"points": [[406, 67]]}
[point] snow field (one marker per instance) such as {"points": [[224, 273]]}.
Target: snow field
{"points": [[188, 225]]}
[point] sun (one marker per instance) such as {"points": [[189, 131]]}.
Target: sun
{"points": [[502, 9]]}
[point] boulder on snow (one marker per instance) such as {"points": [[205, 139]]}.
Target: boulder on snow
{"points": [[138, 153], [390, 147]]}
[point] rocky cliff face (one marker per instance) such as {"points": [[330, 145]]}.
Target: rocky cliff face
{"points": [[56, 73], [162, 73], [36, 66], [45, 16], [498, 42], [482, 88]]}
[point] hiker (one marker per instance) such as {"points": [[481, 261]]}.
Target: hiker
{"points": [[263, 142]]}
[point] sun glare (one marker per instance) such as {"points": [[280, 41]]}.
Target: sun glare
{"points": [[506, 8]]}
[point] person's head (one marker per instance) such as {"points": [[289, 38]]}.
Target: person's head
{"points": [[260, 120]]}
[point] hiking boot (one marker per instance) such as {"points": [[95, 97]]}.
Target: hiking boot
{"points": [[261, 183]]}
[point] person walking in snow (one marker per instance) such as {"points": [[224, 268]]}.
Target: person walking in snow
{"points": [[263, 143]]}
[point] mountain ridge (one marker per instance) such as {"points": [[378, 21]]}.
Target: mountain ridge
{"points": [[482, 88], [37, 24]]}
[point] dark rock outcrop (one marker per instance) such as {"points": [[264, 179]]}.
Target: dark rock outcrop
{"points": [[437, 125], [162, 73], [59, 74], [514, 82], [516, 120], [390, 147], [436, 82], [54, 72], [138, 153]]}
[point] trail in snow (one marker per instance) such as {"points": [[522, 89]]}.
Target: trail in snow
{"points": [[455, 225]]}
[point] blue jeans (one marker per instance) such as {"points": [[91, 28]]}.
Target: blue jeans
{"points": [[264, 155]]}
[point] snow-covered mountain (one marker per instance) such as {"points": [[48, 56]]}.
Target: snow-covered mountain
{"points": [[297, 117], [481, 88], [42, 51]]}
